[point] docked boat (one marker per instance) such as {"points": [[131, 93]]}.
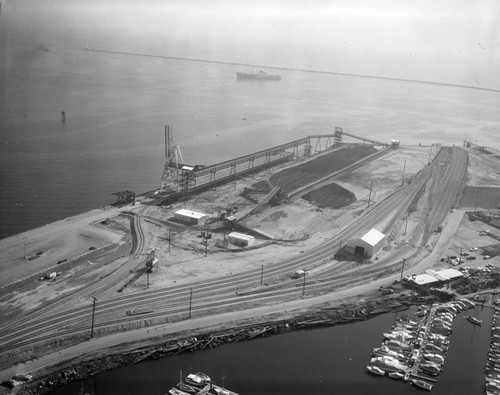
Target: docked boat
{"points": [[422, 384], [260, 76], [396, 375], [396, 344], [474, 320], [375, 370], [198, 380], [176, 391], [436, 358], [198, 384]]}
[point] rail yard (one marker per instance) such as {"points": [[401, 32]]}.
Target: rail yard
{"points": [[126, 277]]}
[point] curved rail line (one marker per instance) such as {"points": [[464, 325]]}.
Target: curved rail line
{"points": [[219, 294]]}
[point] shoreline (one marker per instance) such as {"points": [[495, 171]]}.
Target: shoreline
{"points": [[245, 330]]}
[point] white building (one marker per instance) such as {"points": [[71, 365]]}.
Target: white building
{"points": [[367, 245], [434, 276], [190, 217], [240, 239]]}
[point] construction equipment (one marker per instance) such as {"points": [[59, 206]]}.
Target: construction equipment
{"points": [[147, 268]]}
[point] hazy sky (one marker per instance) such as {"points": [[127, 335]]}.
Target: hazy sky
{"points": [[454, 41]]}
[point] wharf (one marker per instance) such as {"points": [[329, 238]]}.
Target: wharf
{"points": [[413, 372]]}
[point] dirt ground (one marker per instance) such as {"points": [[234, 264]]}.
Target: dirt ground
{"points": [[297, 223]]}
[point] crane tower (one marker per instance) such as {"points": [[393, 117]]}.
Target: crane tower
{"points": [[174, 160]]}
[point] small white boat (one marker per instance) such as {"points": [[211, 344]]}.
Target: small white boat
{"points": [[474, 320], [375, 370], [396, 375], [176, 391]]}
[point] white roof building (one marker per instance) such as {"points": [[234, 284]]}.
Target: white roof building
{"points": [[434, 276], [190, 217], [369, 244], [241, 239]]}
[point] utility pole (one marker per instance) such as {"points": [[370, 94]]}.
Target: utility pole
{"points": [[261, 274], [403, 179], [205, 239], [147, 281], [304, 284], [169, 238], [460, 257], [370, 194], [190, 301], [24, 244], [402, 269], [93, 315]]}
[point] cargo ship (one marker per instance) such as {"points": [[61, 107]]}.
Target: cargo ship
{"points": [[198, 384], [260, 76]]}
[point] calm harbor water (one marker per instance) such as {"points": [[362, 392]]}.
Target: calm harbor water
{"points": [[320, 361], [116, 108]]}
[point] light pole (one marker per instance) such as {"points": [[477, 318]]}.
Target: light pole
{"points": [[403, 179], [261, 274]]}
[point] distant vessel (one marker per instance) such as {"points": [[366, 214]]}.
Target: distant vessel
{"points": [[260, 76], [43, 48]]}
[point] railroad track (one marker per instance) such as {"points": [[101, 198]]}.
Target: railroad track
{"points": [[220, 294]]}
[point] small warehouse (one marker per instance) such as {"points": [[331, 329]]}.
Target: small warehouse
{"points": [[368, 245], [240, 239], [190, 217], [434, 277]]}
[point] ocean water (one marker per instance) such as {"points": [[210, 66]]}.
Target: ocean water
{"points": [[117, 107]]}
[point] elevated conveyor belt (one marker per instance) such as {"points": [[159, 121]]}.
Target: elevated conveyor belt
{"points": [[277, 150]]}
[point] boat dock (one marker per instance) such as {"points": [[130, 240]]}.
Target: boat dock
{"points": [[413, 372], [414, 350]]}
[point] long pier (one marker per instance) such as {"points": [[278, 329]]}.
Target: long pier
{"points": [[413, 372]]}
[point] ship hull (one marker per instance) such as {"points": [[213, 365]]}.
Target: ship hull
{"points": [[257, 77]]}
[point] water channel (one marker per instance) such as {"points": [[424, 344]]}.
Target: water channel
{"points": [[319, 361]]}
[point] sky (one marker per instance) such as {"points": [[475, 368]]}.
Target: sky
{"points": [[450, 41]]}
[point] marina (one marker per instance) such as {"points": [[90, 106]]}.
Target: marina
{"points": [[326, 365], [414, 350], [198, 384], [492, 369]]}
